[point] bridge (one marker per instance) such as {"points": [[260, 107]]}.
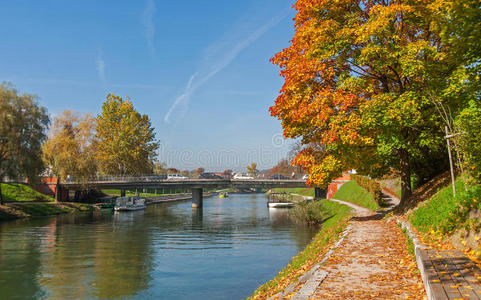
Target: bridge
{"points": [[195, 185]]}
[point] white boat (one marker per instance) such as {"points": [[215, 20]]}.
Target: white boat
{"points": [[280, 204], [129, 203]]}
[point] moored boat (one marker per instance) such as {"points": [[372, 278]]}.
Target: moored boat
{"points": [[129, 204], [280, 204]]}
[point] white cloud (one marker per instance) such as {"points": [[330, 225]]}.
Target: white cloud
{"points": [[211, 68], [148, 23], [100, 67]]}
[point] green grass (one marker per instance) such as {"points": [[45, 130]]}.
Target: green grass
{"points": [[40, 209], [336, 219], [13, 192], [410, 242], [445, 213], [352, 192], [299, 191]]}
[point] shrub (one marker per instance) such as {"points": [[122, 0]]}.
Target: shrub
{"points": [[371, 186], [308, 212]]}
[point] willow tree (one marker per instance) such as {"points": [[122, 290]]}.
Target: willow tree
{"points": [[126, 142], [23, 125], [69, 150], [358, 79]]}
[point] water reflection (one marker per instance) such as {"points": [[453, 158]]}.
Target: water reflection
{"points": [[170, 251]]}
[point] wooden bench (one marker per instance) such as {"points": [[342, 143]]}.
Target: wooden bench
{"points": [[450, 274]]}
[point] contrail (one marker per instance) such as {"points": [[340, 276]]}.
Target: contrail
{"points": [[185, 95], [221, 63], [148, 23], [100, 66]]}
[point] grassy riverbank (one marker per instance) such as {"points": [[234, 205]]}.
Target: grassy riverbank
{"points": [[335, 221], [21, 201], [352, 192], [298, 191], [445, 213], [16, 192]]}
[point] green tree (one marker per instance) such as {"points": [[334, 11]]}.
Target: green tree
{"points": [[126, 142], [23, 125], [468, 123], [69, 150]]}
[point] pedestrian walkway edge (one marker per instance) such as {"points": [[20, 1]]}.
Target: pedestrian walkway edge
{"points": [[418, 252], [310, 275]]}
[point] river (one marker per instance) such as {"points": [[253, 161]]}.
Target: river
{"points": [[170, 251]]}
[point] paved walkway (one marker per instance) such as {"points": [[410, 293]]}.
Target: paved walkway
{"points": [[372, 262]]}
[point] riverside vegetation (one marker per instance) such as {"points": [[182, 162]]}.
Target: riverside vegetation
{"points": [[334, 221], [21, 201], [445, 221]]}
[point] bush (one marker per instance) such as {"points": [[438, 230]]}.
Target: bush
{"points": [[371, 186], [308, 212]]}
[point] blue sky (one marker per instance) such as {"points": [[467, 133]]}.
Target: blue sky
{"points": [[199, 69]]}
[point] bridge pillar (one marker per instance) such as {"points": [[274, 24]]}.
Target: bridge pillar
{"points": [[320, 193], [122, 192], [197, 197]]}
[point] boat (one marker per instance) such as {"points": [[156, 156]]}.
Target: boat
{"points": [[105, 205], [280, 204], [280, 200], [129, 203], [106, 202], [224, 195]]}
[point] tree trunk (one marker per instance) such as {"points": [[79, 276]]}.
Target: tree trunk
{"points": [[1, 196], [405, 175], [58, 193]]}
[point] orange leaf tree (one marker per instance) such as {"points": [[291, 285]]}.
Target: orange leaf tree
{"points": [[357, 80]]}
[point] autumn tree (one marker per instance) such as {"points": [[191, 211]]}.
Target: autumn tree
{"points": [[160, 168], [69, 150], [197, 172], [358, 76], [252, 170], [23, 125], [126, 142], [283, 167], [227, 173], [173, 171]]}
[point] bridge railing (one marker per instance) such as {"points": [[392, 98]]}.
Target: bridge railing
{"points": [[159, 178]]}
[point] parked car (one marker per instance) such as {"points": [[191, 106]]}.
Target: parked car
{"points": [[305, 176], [278, 176], [156, 177], [209, 176], [176, 177], [243, 176]]}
